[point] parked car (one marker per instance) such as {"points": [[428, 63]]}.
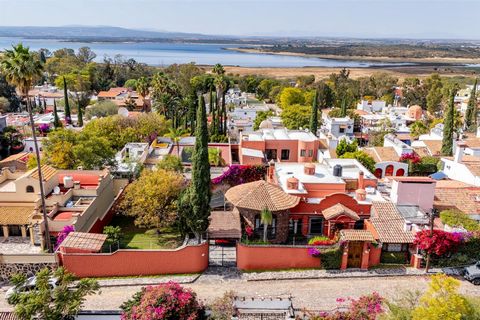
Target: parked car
{"points": [[472, 273], [28, 286]]}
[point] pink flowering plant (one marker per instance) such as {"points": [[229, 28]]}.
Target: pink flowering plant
{"points": [[239, 174], [62, 235], [367, 307], [168, 301]]}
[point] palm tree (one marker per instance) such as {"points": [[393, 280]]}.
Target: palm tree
{"points": [[218, 69], [21, 67], [143, 89], [176, 134], [266, 218]]}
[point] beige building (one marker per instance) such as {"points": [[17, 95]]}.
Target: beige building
{"points": [[73, 197]]}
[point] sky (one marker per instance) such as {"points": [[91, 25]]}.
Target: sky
{"points": [[344, 18]]}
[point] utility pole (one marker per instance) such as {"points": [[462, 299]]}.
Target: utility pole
{"points": [[430, 224]]}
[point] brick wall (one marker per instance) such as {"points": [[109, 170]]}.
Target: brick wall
{"points": [[274, 257], [188, 259]]}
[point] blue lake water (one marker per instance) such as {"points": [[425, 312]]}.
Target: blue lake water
{"points": [[158, 53]]}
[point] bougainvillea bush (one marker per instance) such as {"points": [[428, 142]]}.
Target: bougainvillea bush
{"points": [[237, 174], [168, 301], [367, 307], [62, 235], [440, 243]]}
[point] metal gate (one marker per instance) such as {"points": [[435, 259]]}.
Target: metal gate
{"points": [[222, 255]]}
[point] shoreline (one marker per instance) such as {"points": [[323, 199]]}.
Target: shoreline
{"points": [[406, 61]]}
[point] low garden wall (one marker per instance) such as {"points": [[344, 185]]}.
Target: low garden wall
{"points": [[271, 257], [186, 259], [27, 264]]}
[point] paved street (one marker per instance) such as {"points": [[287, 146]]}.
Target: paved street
{"points": [[311, 294]]}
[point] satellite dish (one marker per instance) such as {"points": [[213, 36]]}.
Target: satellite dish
{"points": [[123, 112], [56, 190]]}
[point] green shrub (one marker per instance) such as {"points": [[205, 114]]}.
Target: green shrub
{"points": [[456, 218], [393, 257], [331, 258]]}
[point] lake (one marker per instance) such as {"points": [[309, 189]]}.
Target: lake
{"points": [[166, 53]]}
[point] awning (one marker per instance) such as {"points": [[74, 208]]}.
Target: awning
{"points": [[224, 225], [356, 235], [338, 210]]}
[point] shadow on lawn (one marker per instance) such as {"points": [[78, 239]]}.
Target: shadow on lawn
{"points": [[142, 238]]}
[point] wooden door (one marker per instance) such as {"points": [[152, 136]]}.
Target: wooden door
{"points": [[355, 249]]}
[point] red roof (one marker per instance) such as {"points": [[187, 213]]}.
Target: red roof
{"points": [[85, 179], [66, 215], [412, 179]]}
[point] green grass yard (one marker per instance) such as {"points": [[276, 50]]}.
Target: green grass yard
{"points": [[140, 238]]}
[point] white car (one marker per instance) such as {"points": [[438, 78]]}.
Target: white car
{"points": [[28, 286]]}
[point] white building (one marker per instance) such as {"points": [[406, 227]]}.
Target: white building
{"points": [[128, 159], [371, 106], [337, 127]]}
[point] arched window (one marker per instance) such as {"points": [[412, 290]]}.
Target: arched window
{"points": [[400, 172], [30, 189], [378, 173], [389, 170]]}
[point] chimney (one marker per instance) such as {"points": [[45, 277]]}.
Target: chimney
{"points": [[271, 171], [309, 169], [76, 185], [459, 151], [360, 193], [361, 182], [292, 183]]}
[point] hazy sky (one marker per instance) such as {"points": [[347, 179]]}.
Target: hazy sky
{"points": [[357, 18]]}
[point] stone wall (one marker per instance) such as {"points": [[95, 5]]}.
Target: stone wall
{"points": [[28, 264], [7, 270]]}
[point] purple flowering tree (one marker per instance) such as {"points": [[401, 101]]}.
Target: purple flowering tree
{"points": [[63, 235]]}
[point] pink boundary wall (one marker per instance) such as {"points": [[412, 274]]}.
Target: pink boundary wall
{"points": [[274, 257], [188, 259]]}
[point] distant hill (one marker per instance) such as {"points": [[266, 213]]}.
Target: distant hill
{"points": [[87, 32]]}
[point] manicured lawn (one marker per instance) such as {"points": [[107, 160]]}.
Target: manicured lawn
{"points": [[139, 238]]}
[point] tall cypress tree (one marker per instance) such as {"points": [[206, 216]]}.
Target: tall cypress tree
{"points": [[80, 116], [56, 120], [471, 112], [448, 126], [44, 105], [68, 116], [314, 115], [200, 193]]}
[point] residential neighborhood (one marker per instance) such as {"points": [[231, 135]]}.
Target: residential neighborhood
{"points": [[277, 179]]}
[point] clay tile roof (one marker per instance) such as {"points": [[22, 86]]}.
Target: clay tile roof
{"points": [[356, 235], [224, 225], [389, 224], [380, 154], [15, 215], [47, 173], [7, 315], [434, 146], [259, 195], [472, 143], [322, 144], [338, 210], [472, 163], [413, 179], [457, 197], [13, 157], [84, 241], [422, 151]]}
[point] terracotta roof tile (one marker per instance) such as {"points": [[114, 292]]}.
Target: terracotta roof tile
{"points": [[459, 198], [338, 210], [356, 235], [84, 241], [259, 195], [15, 215], [389, 224], [380, 154], [47, 173], [434, 146], [225, 225], [19, 156]]}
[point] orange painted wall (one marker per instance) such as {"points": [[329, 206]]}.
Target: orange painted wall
{"points": [[374, 258], [274, 258], [190, 259]]}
